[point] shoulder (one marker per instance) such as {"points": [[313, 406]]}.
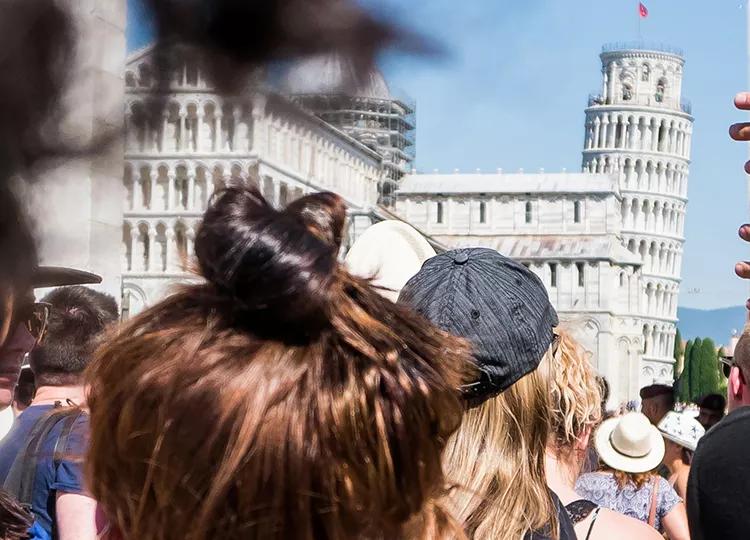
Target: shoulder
{"points": [[613, 526], [735, 426], [593, 479], [667, 496]]}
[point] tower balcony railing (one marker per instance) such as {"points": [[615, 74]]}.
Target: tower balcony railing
{"points": [[643, 100], [642, 46]]}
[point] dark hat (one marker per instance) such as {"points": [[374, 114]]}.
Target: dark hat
{"points": [[498, 304], [58, 276], [713, 402], [655, 390]]}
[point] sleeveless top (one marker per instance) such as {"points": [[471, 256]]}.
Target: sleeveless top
{"points": [[580, 510], [567, 532]]}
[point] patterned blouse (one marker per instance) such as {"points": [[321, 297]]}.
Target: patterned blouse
{"points": [[602, 489]]}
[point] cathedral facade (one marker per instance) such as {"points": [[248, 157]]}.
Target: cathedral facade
{"points": [[606, 242], [204, 143]]}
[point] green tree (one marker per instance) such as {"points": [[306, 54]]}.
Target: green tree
{"points": [[684, 385], [709, 371], [695, 372]]}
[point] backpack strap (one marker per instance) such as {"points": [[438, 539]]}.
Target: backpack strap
{"points": [[22, 475]]}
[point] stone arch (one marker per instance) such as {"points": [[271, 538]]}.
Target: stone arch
{"points": [[181, 245], [130, 184], [201, 186], [134, 300], [127, 246], [218, 178], [144, 244], [159, 254]]}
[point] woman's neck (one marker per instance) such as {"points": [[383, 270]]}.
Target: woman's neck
{"points": [[48, 395], [561, 475]]}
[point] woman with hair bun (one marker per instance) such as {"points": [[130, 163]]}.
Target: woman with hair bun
{"points": [[281, 399]]}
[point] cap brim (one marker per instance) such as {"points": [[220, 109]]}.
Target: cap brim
{"points": [[621, 462], [58, 276]]}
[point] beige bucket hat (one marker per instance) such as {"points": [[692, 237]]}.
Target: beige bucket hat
{"points": [[630, 443]]}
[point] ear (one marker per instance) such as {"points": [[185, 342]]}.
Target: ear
{"points": [[582, 444], [736, 383]]}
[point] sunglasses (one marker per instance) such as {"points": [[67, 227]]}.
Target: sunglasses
{"points": [[726, 365], [36, 319]]}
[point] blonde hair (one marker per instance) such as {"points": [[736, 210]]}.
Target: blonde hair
{"points": [[575, 393], [496, 463]]}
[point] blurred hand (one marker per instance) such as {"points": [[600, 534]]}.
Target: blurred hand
{"points": [[741, 132]]}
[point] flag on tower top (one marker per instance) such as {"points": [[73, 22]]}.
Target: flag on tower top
{"points": [[642, 10]]}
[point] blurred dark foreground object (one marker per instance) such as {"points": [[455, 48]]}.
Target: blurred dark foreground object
{"points": [[236, 37]]}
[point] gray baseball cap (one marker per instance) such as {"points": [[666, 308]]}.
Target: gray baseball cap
{"points": [[493, 301]]}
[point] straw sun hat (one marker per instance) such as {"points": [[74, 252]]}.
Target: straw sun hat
{"points": [[630, 443], [390, 253]]}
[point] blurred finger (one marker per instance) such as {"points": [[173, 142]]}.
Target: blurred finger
{"points": [[742, 101], [742, 269], [740, 132], [744, 232]]}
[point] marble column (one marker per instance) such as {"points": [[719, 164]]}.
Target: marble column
{"points": [[77, 204]]}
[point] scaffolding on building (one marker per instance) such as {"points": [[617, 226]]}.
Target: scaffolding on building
{"points": [[388, 125]]}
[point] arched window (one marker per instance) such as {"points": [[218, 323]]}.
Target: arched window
{"points": [[482, 212], [577, 212], [553, 275], [529, 213], [645, 73], [439, 216], [661, 88], [581, 270]]}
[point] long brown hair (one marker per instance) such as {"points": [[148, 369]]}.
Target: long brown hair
{"points": [[283, 398]]}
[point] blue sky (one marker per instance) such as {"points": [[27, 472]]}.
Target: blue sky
{"points": [[511, 89]]}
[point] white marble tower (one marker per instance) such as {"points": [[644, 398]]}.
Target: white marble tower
{"points": [[640, 129]]}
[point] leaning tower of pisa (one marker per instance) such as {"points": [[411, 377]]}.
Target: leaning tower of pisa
{"points": [[640, 128]]}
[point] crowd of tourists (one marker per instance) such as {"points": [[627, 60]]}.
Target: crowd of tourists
{"points": [[283, 395], [287, 394]]}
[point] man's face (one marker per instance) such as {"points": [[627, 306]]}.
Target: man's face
{"points": [[709, 417], [12, 352], [653, 409]]}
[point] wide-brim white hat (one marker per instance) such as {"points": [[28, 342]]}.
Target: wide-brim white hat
{"points": [[390, 253], [682, 429], [630, 443]]}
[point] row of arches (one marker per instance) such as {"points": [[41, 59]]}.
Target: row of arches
{"points": [[184, 188], [658, 340], [660, 300], [186, 74], [655, 176], [659, 258], [652, 216], [666, 177], [605, 130], [157, 246], [195, 126]]}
